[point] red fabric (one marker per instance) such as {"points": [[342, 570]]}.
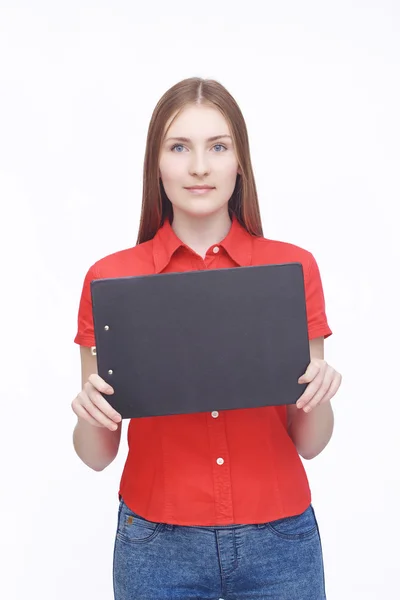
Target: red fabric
{"points": [[171, 473]]}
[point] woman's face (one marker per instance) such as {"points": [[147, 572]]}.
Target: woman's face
{"points": [[204, 157]]}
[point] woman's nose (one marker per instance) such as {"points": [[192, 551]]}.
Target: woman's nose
{"points": [[199, 165]]}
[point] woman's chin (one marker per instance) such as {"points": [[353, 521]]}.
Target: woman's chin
{"points": [[201, 210]]}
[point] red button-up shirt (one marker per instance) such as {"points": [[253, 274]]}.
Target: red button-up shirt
{"points": [[222, 467]]}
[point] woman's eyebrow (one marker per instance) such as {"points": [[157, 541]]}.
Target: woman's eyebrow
{"points": [[211, 139]]}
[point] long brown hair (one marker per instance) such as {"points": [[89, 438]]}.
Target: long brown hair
{"points": [[156, 207]]}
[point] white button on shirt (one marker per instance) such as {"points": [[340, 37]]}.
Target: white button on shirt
{"points": [[220, 461], [215, 414], [215, 249]]}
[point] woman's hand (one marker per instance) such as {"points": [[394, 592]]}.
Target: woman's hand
{"points": [[323, 383], [90, 405]]}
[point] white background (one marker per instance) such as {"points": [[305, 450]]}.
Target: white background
{"points": [[319, 85]]}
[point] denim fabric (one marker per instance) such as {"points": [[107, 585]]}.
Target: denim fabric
{"points": [[280, 560]]}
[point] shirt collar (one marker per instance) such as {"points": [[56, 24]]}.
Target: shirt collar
{"points": [[238, 244]]}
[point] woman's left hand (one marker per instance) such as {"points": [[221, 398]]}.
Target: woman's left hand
{"points": [[323, 383]]}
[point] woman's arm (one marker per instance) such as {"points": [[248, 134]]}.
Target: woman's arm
{"points": [[311, 431], [96, 446]]}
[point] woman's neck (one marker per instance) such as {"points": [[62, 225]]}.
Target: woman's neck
{"points": [[200, 233]]}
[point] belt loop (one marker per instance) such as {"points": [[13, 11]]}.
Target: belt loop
{"points": [[169, 527]]}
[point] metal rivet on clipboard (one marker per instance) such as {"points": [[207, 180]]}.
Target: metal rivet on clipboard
{"points": [[106, 328], [93, 348]]}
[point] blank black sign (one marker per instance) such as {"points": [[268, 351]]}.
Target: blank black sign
{"points": [[202, 340]]}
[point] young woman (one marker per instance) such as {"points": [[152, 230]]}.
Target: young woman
{"points": [[212, 505]]}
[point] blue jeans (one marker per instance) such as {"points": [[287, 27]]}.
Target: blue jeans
{"points": [[281, 560]]}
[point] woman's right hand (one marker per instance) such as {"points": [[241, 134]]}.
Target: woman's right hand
{"points": [[90, 405]]}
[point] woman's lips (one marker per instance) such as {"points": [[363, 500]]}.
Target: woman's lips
{"points": [[199, 191]]}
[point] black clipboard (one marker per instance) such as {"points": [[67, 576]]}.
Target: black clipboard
{"points": [[200, 341]]}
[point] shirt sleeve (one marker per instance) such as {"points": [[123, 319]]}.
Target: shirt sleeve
{"points": [[315, 301], [85, 334]]}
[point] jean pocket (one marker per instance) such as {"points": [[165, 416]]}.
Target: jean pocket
{"points": [[297, 527], [135, 529]]}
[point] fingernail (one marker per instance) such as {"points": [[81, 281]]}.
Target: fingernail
{"points": [[307, 409]]}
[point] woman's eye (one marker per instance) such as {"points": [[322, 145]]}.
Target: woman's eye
{"points": [[180, 146]]}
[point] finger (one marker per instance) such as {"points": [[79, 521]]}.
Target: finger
{"points": [[311, 390], [94, 388], [104, 406], [326, 392], [333, 389], [311, 372], [97, 413], [100, 385], [82, 413]]}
